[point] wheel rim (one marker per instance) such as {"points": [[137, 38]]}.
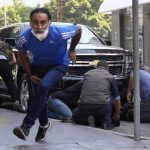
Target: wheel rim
{"points": [[24, 95]]}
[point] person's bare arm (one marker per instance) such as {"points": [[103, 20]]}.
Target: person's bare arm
{"points": [[13, 59], [130, 90], [74, 42], [25, 63], [117, 109]]}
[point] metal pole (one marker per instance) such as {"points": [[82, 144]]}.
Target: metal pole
{"points": [[5, 21], [59, 15], [135, 8]]}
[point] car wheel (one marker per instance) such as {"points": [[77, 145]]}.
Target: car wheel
{"points": [[25, 92]]}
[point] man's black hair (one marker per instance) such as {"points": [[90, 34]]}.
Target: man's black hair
{"points": [[103, 63], [40, 10]]}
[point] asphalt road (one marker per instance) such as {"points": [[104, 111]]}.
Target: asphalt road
{"points": [[68, 136]]}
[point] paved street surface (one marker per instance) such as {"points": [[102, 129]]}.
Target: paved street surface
{"points": [[68, 136]]}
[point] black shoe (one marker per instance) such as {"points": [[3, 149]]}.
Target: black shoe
{"points": [[91, 121], [17, 106], [21, 132], [108, 126], [42, 133]]}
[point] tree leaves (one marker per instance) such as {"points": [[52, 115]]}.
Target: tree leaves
{"points": [[83, 12], [78, 11], [15, 13]]}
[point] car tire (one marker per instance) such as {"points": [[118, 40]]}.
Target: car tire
{"points": [[25, 92]]}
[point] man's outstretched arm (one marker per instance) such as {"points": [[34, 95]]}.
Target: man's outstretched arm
{"points": [[74, 42]]}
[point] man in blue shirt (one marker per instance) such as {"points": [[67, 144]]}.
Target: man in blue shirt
{"points": [[144, 76], [48, 46]]}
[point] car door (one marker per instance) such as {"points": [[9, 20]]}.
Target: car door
{"points": [[11, 32]]}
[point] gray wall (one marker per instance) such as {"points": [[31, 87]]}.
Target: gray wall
{"points": [[115, 28], [117, 32], [146, 33]]}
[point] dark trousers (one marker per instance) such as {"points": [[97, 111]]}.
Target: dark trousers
{"points": [[38, 108], [101, 112], [144, 112], [6, 74]]}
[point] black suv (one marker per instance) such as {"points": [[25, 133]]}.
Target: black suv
{"points": [[91, 47]]}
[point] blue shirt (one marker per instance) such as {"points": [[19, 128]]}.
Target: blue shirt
{"points": [[50, 51], [144, 85]]}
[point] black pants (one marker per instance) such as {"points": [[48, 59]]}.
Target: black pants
{"points": [[144, 112], [6, 74], [103, 112]]}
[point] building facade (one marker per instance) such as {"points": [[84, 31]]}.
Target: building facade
{"points": [[122, 31]]}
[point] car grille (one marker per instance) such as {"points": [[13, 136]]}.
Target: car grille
{"points": [[80, 70], [98, 57], [115, 70]]}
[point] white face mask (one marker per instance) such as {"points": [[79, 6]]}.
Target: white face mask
{"points": [[40, 36]]}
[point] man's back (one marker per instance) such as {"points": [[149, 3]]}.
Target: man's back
{"points": [[96, 87]]}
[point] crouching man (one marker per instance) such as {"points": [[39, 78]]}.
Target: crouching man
{"points": [[99, 93]]}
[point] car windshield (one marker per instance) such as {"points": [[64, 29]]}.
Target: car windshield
{"points": [[88, 36]]}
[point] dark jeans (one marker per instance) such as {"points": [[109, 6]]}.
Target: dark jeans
{"points": [[144, 112], [6, 74], [103, 111], [38, 108], [57, 109]]}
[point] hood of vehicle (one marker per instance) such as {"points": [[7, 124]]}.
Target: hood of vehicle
{"points": [[91, 48]]}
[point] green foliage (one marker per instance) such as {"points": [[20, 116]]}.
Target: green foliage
{"points": [[78, 11], [1, 16], [83, 12], [17, 12]]}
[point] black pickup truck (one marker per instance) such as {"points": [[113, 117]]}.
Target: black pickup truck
{"points": [[91, 47]]}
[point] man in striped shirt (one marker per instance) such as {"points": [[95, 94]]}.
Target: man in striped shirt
{"points": [[48, 46]]}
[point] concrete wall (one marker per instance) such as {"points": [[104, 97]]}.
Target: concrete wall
{"points": [[146, 33], [115, 28], [117, 32]]}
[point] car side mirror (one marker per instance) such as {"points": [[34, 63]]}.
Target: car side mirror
{"points": [[10, 41]]}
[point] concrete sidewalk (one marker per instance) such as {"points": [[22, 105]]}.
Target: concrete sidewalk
{"points": [[66, 136]]}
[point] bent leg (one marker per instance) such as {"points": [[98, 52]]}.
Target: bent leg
{"points": [[80, 116], [38, 108], [58, 109]]}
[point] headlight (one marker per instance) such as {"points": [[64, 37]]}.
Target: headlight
{"points": [[128, 62]]}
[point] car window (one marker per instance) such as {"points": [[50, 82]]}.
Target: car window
{"points": [[11, 32], [88, 37], [15, 32], [5, 33]]}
